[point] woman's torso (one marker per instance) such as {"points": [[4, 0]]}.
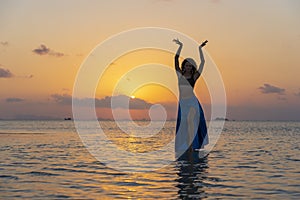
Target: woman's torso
{"points": [[186, 86]]}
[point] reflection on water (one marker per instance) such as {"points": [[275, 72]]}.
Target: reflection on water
{"points": [[144, 141], [191, 173]]}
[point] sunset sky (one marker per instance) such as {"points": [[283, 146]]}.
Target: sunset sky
{"points": [[254, 43]]}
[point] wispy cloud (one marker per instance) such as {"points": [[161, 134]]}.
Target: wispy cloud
{"points": [[5, 73], [26, 76], [120, 101], [282, 98], [14, 100], [56, 54], [44, 50], [270, 89], [4, 43], [29, 76], [298, 94], [62, 99]]}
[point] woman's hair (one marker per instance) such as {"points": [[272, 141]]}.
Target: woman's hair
{"points": [[192, 62]]}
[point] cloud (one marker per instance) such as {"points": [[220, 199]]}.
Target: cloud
{"points": [[297, 94], [270, 89], [56, 54], [64, 99], [5, 73], [120, 101], [4, 43], [26, 76], [14, 100], [66, 89], [30, 76], [280, 98], [44, 50]]}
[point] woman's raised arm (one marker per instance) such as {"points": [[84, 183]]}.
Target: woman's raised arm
{"points": [[178, 55], [202, 60]]}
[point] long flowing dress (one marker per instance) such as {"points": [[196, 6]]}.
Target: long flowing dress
{"points": [[199, 138]]}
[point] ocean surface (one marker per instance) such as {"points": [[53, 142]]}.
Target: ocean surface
{"points": [[251, 160]]}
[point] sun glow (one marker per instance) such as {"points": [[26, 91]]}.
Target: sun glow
{"points": [[123, 77]]}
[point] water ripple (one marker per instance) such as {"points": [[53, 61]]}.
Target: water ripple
{"points": [[252, 160]]}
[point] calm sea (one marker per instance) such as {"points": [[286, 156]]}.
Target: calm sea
{"points": [[251, 160]]}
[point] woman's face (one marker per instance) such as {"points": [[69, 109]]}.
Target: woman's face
{"points": [[188, 67]]}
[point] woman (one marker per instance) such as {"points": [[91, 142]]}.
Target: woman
{"points": [[191, 131]]}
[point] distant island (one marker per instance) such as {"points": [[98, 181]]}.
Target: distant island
{"points": [[222, 119]]}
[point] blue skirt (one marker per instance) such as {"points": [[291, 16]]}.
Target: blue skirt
{"points": [[199, 137]]}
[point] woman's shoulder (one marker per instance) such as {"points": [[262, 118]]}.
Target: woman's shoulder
{"points": [[179, 74], [196, 75]]}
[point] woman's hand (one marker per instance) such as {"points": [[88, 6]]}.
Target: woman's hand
{"points": [[177, 42], [203, 44]]}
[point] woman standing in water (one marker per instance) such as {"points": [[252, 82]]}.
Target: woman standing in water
{"points": [[191, 131]]}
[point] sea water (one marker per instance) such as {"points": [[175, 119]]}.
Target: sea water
{"points": [[47, 159]]}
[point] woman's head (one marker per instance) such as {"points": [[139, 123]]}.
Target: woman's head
{"points": [[188, 65]]}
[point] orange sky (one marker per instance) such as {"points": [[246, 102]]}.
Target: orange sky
{"points": [[255, 45]]}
